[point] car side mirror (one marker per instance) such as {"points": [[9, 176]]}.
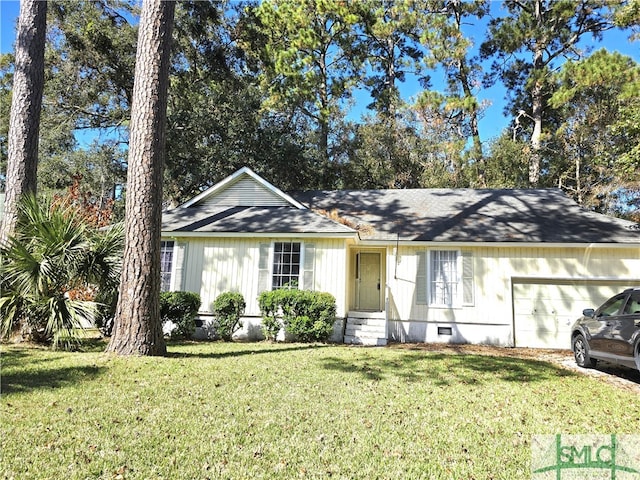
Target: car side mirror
{"points": [[588, 312]]}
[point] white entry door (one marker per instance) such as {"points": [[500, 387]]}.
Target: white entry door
{"points": [[368, 281]]}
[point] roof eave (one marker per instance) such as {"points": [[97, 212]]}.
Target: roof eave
{"points": [[422, 243], [179, 234]]}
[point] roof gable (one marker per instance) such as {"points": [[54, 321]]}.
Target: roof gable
{"points": [[244, 188], [245, 203]]}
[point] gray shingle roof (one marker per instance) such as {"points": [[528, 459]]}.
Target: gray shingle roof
{"points": [[466, 215], [224, 219]]}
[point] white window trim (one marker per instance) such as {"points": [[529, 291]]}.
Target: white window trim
{"points": [[466, 278], [301, 271], [172, 273], [272, 252], [457, 301]]}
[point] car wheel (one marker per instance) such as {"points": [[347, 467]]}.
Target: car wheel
{"points": [[637, 356], [581, 352]]}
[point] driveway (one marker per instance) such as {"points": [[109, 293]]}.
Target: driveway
{"points": [[620, 377]]}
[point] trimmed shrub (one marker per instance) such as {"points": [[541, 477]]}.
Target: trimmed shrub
{"points": [[315, 314], [228, 308], [321, 316], [307, 315], [181, 309], [269, 303]]}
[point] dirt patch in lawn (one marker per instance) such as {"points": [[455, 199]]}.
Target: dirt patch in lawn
{"points": [[624, 378]]}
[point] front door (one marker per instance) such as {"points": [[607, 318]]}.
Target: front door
{"points": [[368, 281]]}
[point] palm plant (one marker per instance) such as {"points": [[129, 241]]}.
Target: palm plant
{"points": [[51, 270]]}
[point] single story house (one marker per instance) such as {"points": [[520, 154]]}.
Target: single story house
{"points": [[502, 267]]}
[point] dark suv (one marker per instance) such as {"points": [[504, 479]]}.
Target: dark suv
{"points": [[610, 333]]}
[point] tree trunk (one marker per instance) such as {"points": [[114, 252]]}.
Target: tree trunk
{"points": [[24, 123], [137, 329], [536, 136], [476, 150], [391, 75], [537, 100], [324, 128], [463, 76]]}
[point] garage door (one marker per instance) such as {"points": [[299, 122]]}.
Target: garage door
{"points": [[543, 311]]}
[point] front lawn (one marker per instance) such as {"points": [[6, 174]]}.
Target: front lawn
{"points": [[239, 411]]}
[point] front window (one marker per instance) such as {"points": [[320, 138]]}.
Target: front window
{"points": [[166, 264], [444, 280], [286, 265]]}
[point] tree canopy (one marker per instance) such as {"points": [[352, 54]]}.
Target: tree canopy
{"points": [[309, 94]]}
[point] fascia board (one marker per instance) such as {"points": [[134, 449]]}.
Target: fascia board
{"points": [[565, 279], [409, 243], [178, 234]]}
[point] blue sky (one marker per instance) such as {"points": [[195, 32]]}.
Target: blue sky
{"points": [[493, 121]]}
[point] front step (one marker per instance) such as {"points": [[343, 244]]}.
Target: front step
{"points": [[365, 329], [365, 342]]}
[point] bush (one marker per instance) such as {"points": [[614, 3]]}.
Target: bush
{"points": [[269, 303], [181, 309], [307, 315], [228, 308]]}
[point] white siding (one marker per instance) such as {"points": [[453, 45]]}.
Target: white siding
{"points": [[246, 192], [214, 266], [495, 269]]}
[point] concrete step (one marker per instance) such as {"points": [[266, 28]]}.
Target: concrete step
{"points": [[357, 340], [367, 330], [366, 321]]}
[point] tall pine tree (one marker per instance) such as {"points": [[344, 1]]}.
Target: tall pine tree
{"points": [[137, 329], [24, 123]]}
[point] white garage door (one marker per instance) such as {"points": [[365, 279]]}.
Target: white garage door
{"points": [[544, 311]]}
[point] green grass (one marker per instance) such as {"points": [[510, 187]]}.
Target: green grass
{"points": [[290, 411]]}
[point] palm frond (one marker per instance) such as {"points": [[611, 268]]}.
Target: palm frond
{"points": [[52, 256], [66, 318], [10, 307]]}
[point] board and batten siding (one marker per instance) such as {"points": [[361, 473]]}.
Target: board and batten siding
{"points": [[214, 266], [247, 193], [491, 317]]}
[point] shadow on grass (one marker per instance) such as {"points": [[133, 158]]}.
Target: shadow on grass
{"points": [[619, 371], [21, 372], [16, 357], [91, 345], [239, 350], [447, 369]]}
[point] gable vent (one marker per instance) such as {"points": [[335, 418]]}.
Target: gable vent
{"points": [[246, 193]]}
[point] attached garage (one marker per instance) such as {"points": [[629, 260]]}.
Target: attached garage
{"points": [[545, 309]]}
